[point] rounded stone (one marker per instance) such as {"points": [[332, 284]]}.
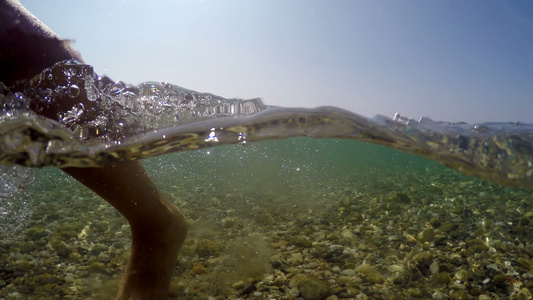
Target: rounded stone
{"points": [[434, 268], [438, 295], [457, 210], [301, 241], [344, 279], [459, 295], [399, 198], [69, 278], [442, 278], [96, 266], [423, 257], [499, 279], [462, 275], [296, 258], [309, 287], [63, 249], [426, 235], [363, 269], [348, 272], [375, 277]]}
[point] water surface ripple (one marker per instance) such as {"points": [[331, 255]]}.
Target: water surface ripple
{"points": [[124, 122]]}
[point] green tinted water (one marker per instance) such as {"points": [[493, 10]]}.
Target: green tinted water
{"points": [[268, 203], [282, 165]]}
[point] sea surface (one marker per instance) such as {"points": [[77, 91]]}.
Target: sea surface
{"points": [[282, 203]]}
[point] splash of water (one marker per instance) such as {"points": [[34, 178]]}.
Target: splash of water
{"points": [[123, 122]]}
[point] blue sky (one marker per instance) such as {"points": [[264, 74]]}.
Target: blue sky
{"points": [[448, 60]]}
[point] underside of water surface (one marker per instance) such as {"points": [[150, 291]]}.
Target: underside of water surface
{"points": [[69, 116]]}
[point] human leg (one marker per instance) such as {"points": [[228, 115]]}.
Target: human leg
{"points": [[158, 227], [27, 45]]}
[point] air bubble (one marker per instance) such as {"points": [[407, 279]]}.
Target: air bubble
{"points": [[73, 91]]}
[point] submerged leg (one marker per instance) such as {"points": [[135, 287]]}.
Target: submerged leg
{"points": [[158, 227]]}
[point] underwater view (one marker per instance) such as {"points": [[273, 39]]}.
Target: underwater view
{"points": [[289, 219], [282, 203]]}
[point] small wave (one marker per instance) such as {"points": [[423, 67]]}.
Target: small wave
{"points": [[45, 122]]}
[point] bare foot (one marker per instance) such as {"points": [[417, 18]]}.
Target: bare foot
{"points": [[153, 257]]}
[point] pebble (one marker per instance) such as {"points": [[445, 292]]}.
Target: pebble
{"points": [[347, 234], [70, 269], [438, 295], [15, 296], [344, 279], [249, 289], [199, 269], [462, 275], [410, 238], [375, 277], [348, 272], [426, 235], [296, 258], [332, 236], [363, 269], [442, 278], [457, 286], [301, 241], [459, 295], [399, 198], [309, 287], [423, 257], [96, 266], [397, 268], [499, 279], [310, 266], [434, 268], [278, 282], [362, 296], [63, 249], [69, 277]]}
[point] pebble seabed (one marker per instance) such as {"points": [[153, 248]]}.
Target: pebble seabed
{"points": [[372, 235]]}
